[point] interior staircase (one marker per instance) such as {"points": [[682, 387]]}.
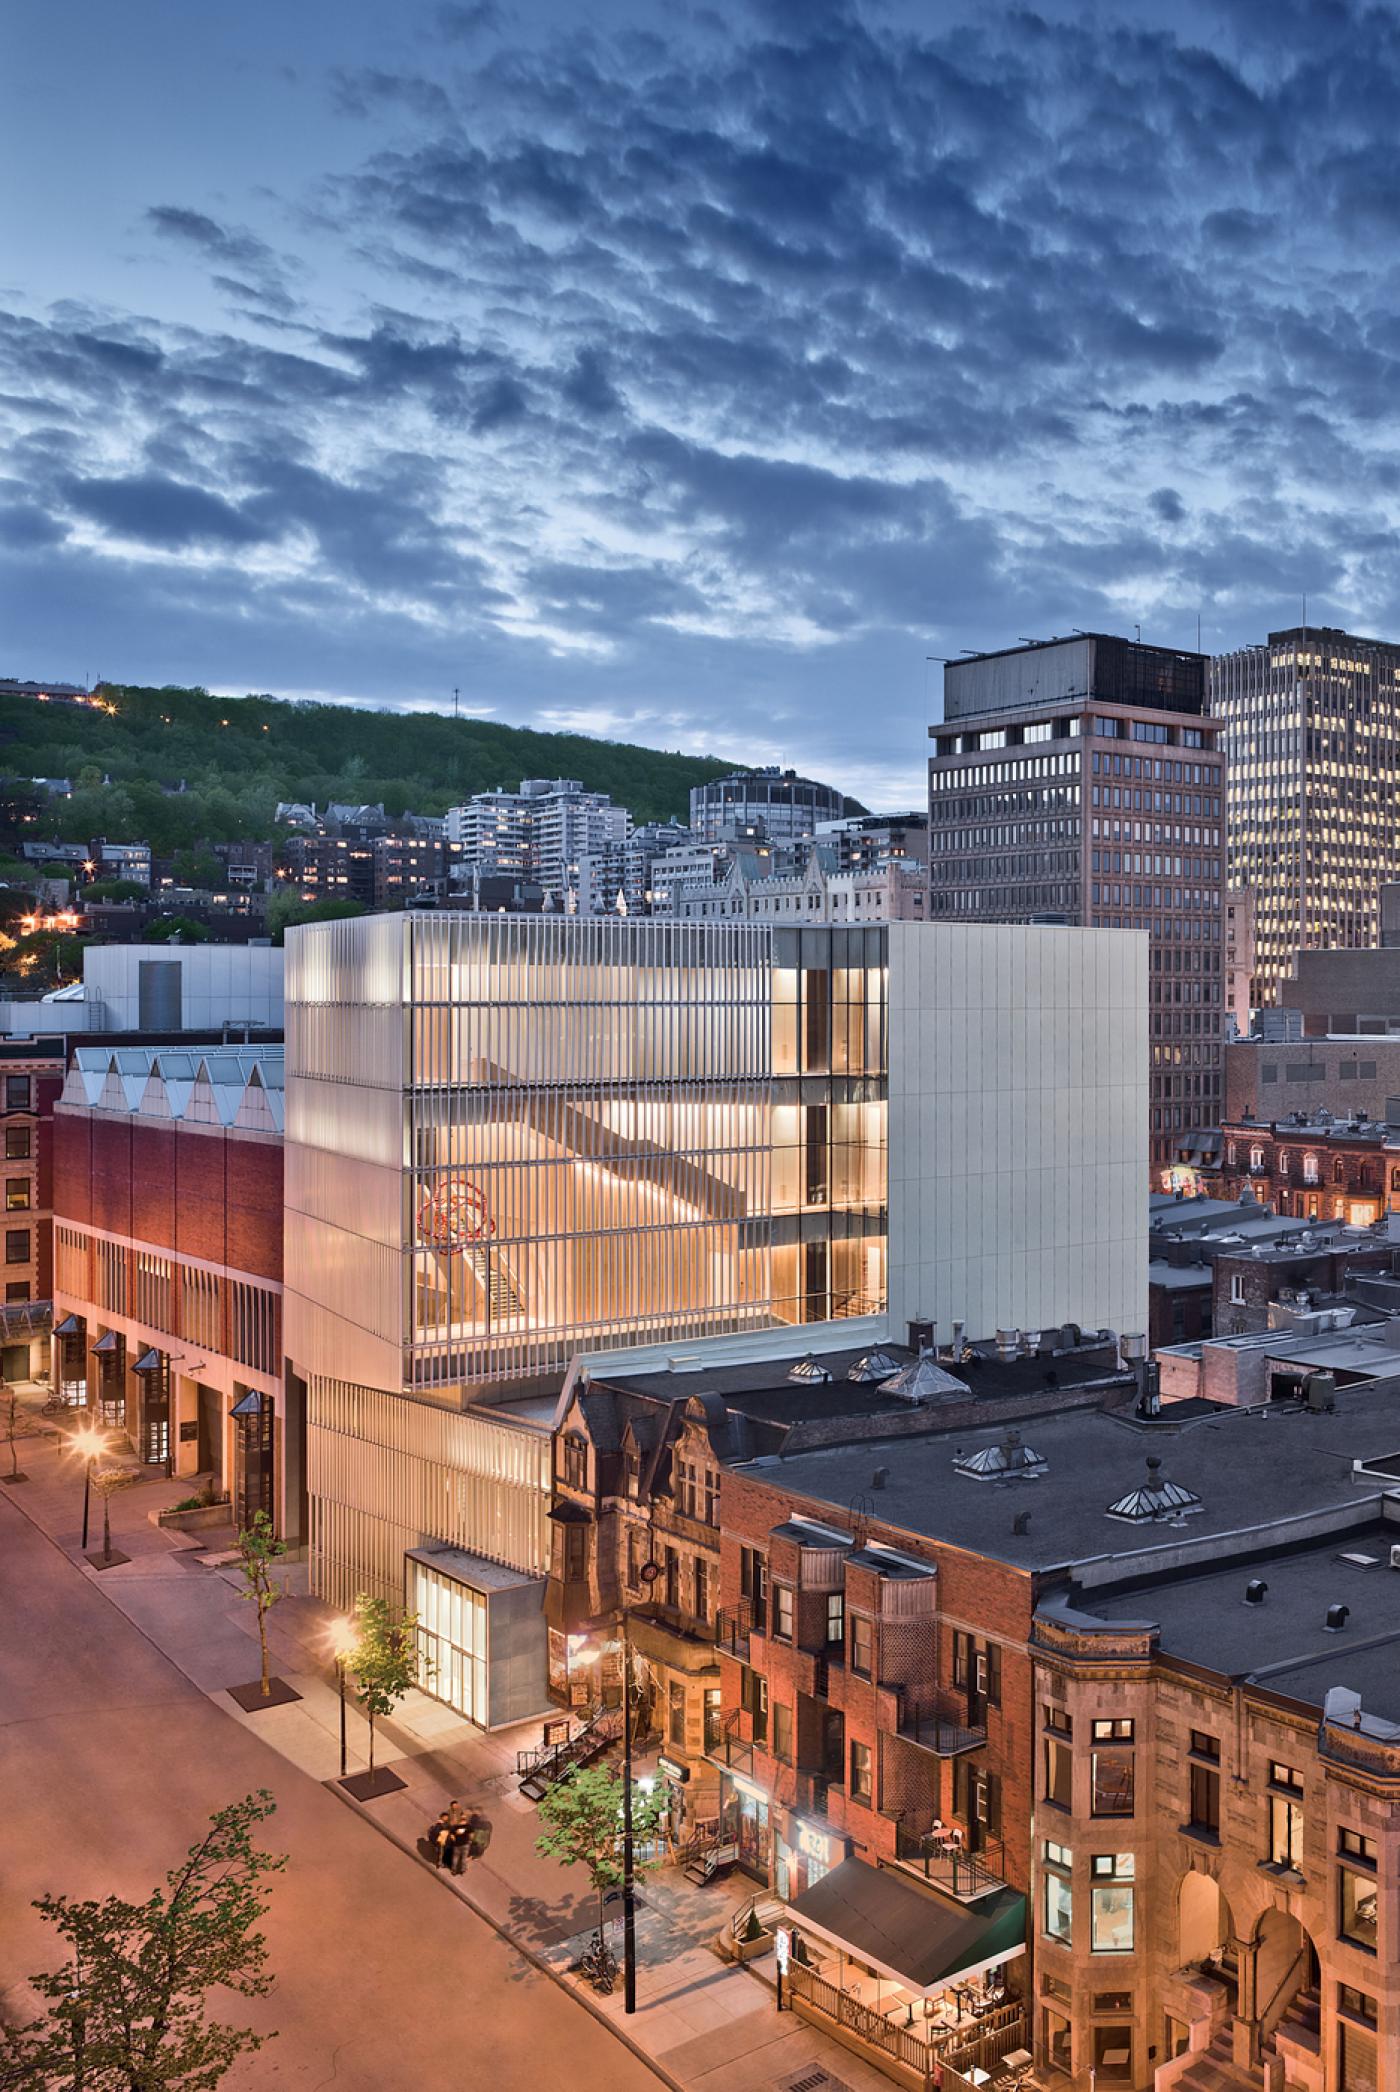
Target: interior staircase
{"points": [[503, 1301]]}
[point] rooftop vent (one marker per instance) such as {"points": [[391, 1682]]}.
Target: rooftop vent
{"points": [[809, 1369], [1007, 1461], [1156, 1498], [1021, 1523], [879, 1478], [1255, 1591], [1337, 1617], [924, 1380], [922, 1331], [872, 1367]]}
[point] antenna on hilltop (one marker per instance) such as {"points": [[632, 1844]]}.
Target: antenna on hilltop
{"points": [[456, 693]]}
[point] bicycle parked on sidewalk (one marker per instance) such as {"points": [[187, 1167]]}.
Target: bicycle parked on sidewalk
{"points": [[599, 1965]]}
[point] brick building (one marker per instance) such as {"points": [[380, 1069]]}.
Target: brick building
{"points": [[1048, 1645], [1217, 1810], [168, 1239], [1313, 1168], [31, 1072], [1346, 1075]]}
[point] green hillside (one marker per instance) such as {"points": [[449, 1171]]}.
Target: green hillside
{"points": [[238, 756]]}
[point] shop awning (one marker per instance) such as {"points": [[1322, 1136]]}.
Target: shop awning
{"points": [[905, 1932], [149, 1362], [106, 1345], [70, 1326]]}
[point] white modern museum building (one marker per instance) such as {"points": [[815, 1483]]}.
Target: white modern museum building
{"points": [[514, 1140]]}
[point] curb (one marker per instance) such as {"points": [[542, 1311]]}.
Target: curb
{"points": [[521, 1947], [526, 1952]]}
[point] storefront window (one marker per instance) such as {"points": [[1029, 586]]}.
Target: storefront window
{"points": [[1055, 2039], [675, 1727], [1113, 2054]]}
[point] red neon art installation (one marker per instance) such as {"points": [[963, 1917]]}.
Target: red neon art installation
{"points": [[454, 1215]]}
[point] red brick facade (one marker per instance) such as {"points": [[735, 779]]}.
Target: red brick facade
{"points": [[920, 1667]]}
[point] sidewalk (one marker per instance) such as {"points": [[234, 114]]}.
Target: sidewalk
{"points": [[704, 2025]]}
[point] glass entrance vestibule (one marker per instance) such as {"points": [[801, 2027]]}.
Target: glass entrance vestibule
{"points": [[481, 1635]]}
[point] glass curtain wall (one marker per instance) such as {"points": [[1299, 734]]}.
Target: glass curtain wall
{"points": [[590, 1135], [451, 1641]]}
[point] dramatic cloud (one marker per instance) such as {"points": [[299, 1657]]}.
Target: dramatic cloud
{"points": [[699, 373]]}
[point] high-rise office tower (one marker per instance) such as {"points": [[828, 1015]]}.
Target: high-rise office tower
{"points": [[1312, 732], [1080, 780]]}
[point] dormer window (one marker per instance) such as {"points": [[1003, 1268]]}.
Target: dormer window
{"points": [[575, 1461]]}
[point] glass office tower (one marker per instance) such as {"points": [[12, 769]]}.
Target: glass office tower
{"points": [[1312, 735]]}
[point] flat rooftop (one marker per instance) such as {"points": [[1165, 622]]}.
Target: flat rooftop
{"points": [[1284, 1643], [762, 1389], [1249, 1467]]}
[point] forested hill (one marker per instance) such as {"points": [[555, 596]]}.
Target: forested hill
{"points": [[237, 757]]}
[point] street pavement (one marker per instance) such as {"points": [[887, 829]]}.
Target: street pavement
{"points": [[432, 1981], [111, 1760]]}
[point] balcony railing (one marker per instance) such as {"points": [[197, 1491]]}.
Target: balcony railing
{"points": [[940, 1726], [729, 1748], [938, 1860], [734, 1626]]}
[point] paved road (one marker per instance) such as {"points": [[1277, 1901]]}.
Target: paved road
{"points": [[110, 1762]]}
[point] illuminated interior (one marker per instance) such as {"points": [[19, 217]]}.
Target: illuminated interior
{"points": [[609, 1129]]}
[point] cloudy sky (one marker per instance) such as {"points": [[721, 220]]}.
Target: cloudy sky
{"points": [[683, 372]]}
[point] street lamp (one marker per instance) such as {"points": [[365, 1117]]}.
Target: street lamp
{"points": [[343, 1639], [89, 1445]]}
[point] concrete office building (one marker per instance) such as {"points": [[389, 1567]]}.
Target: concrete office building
{"points": [[1079, 780], [511, 1141], [1312, 731], [778, 801], [1239, 960]]}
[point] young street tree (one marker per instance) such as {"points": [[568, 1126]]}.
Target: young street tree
{"points": [[582, 1816], [126, 2011], [258, 1548], [384, 1660], [14, 1431], [107, 1482]]}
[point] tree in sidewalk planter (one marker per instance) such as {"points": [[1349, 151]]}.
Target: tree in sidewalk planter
{"points": [[15, 1429], [582, 1818], [384, 1660], [108, 1482], [126, 2011], [258, 1548]]}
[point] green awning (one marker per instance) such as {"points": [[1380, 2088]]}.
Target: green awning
{"points": [[913, 1936]]}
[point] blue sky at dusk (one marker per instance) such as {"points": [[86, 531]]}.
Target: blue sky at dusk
{"points": [[690, 373]]}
